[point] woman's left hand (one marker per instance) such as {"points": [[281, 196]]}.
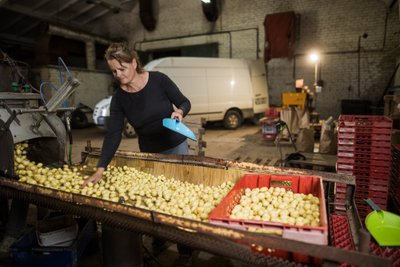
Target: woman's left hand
{"points": [[177, 114]]}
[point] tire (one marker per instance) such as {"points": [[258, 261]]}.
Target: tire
{"points": [[79, 120], [129, 131], [233, 119]]}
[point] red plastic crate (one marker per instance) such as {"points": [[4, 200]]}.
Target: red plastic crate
{"points": [[269, 130], [372, 181], [340, 189], [371, 190], [386, 131], [340, 233], [297, 184], [339, 210], [363, 168], [339, 202], [378, 199], [367, 121], [371, 187], [364, 149], [373, 175], [391, 253], [362, 206], [364, 155], [365, 172], [342, 171], [360, 142], [271, 112], [365, 136], [363, 161]]}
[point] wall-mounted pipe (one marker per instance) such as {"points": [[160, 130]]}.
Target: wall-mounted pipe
{"points": [[358, 51], [344, 52], [229, 33]]}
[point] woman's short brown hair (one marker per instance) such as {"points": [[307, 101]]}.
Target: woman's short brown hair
{"points": [[122, 53]]}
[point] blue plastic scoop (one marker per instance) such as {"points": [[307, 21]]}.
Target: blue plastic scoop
{"points": [[177, 126]]}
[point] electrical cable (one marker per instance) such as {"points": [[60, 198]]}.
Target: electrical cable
{"points": [[15, 69], [280, 126], [67, 122], [67, 115], [41, 90], [69, 131], [60, 60], [278, 146]]}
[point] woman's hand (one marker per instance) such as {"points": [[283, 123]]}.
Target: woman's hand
{"points": [[94, 178], [177, 114]]}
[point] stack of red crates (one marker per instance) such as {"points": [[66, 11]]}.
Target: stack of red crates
{"points": [[341, 237], [340, 233], [395, 176], [364, 150]]}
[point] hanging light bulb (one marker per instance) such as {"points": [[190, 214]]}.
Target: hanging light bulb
{"points": [[210, 9], [314, 57]]}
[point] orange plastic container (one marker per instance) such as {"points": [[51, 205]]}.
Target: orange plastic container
{"points": [[297, 184]]}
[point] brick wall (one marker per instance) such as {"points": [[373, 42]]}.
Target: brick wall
{"points": [[94, 85], [332, 27]]}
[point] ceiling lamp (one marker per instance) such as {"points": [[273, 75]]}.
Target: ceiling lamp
{"points": [[210, 9]]}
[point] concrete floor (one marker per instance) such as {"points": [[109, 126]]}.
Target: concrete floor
{"points": [[245, 142]]}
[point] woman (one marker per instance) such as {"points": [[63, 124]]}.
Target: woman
{"points": [[144, 99]]}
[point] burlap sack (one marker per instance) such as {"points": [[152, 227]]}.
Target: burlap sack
{"points": [[328, 138], [305, 140]]}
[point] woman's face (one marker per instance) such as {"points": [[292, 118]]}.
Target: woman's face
{"points": [[123, 72]]}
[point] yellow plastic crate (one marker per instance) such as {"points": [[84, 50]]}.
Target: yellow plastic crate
{"points": [[294, 100]]}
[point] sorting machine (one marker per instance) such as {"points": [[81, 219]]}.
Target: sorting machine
{"points": [[22, 119]]}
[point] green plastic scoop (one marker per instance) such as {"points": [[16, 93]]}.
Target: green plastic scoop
{"points": [[178, 126], [384, 226]]}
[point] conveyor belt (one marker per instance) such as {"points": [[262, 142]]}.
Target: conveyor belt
{"points": [[204, 236]]}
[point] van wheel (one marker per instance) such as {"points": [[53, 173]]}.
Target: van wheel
{"points": [[129, 131], [233, 119]]}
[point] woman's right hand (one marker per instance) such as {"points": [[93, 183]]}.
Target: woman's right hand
{"points": [[94, 178]]}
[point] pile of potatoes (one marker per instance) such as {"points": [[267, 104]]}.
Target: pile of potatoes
{"points": [[128, 185], [194, 201], [277, 204]]}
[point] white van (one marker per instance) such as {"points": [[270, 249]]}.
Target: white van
{"points": [[219, 89]]}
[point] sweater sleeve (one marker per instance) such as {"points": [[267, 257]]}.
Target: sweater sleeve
{"points": [[113, 136], [175, 95]]}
